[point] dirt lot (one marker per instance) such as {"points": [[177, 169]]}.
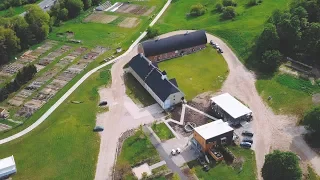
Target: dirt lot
{"points": [[135, 9], [100, 17], [129, 22]]}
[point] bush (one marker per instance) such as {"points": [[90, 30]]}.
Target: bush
{"points": [[229, 3], [227, 154], [152, 32], [197, 10], [252, 3], [219, 7], [228, 13]]}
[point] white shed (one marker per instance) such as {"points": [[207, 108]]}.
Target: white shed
{"points": [[7, 167]]}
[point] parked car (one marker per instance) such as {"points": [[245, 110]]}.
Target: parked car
{"points": [[175, 151], [206, 168], [98, 129], [247, 133], [249, 140], [220, 50], [245, 145], [46, 6], [103, 103]]}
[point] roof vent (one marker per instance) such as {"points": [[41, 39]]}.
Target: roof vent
{"points": [[163, 76], [186, 33]]}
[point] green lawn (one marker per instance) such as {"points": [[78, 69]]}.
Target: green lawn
{"points": [[222, 171], [239, 33], [64, 146], [196, 73], [17, 10], [312, 175], [138, 148], [289, 94], [136, 91], [162, 131]]}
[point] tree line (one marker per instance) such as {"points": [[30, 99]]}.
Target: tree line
{"points": [[22, 77], [64, 10], [19, 33], [294, 33], [6, 4]]}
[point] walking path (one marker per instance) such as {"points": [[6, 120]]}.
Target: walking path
{"points": [[75, 86], [156, 165], [157, 144]]}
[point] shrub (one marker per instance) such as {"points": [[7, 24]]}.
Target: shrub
{"points": [[252, 3], [228, 13], [152, 32], [197, 10], [227, 154], [219, 7], [229, 3]]}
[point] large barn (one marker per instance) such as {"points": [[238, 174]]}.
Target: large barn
{"points": [[174, 46], [163, 90]]}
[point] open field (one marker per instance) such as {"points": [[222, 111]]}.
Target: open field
{"points": [[64, 146], [162, 131], [16, 10], [222, 171], [239, 33], [136, 91], [196, 73], [312, 175], [289, 94], [100, 17]]}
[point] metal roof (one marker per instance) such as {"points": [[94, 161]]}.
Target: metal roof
{"points": [[173, 43], [7, 165], [213, 129], [231, 105]]}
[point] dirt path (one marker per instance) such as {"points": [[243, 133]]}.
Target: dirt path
{"points": [[271, 131]]}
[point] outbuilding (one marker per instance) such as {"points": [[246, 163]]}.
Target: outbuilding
{"points": [[230, 109], [174, 46], [7, 167], [156, 82]]}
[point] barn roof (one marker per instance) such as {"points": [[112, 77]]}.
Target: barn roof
{"points": [[152, 76], [173, 43]]}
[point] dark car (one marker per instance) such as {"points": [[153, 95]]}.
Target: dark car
{"points": [[245, 145], [249, 140], [98, 129], [247, 133], [103, 103], [206, 168], [220, 50]]}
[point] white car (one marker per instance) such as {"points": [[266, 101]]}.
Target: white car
{"points": [[175, 151], [46, 6]]}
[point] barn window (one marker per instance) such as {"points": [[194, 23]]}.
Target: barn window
{"points": [[224, 140]]}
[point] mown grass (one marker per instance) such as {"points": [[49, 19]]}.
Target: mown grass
{"points": [[239, 33], [312, 175], [64, 146], [222, 171], [290, 95], [138, 148], [16, 10], [136, 91], [196, 73], [162, 131]]}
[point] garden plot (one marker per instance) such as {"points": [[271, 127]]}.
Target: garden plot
{"points": [[78, 52], [29, 108], [130, 22], [11, 69], [56, 84], [42, 49], [45, 94], [16, 101], [4, 127], [24, 93], [100, 17], [133, 9], [51, 56]]}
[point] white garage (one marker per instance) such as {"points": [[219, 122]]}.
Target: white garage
{"points": [[7, 167]]}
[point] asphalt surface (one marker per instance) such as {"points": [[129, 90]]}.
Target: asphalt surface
{"points": [[44, 5]]}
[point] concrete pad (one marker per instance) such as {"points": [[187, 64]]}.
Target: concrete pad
{"points": [[137, 171], [137, 113]]}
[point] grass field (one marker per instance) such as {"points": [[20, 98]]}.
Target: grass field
{"points": [[17, 10], [312, 175], [289, 94], [197, 73], [136, 91], [239, 33], [64, 146], [162, 131], [222, 171]]}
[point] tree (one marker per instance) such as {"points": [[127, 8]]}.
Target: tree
{"points": [[175, 177], [268, 40], [281, 166], [96, 2], [21, 27], [228, 13], [9, 44], [311, 120], [219, 7], [197, 10], [270, 60], [10, 12], [38, 21], [229, 3], [86, 4], [152, 32], [74, 8], [300, 12], [311, 41]]}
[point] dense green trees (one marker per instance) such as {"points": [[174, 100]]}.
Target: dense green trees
{"points": [[152, 32], [6, 4], [281, 166], [295, 33], [9, 44], [311, 121], [228, 13], [74, 7], [38, 21]]}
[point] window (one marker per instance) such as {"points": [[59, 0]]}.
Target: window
{"points": [[224, 140]]}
